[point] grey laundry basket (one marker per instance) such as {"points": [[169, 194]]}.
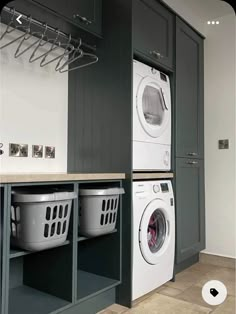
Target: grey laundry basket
{"points": [[98, 210], [40, 221]]}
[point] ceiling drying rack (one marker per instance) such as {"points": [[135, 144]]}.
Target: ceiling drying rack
{"points": [[72, 48]]}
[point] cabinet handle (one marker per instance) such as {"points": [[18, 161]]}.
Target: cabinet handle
{"points": [[192, 162], [82, 19], [156, 54], [192, 154]]}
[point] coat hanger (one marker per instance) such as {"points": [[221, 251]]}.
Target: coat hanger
{"points": [[65, 54], [72, 59], [68, 48], [27, 27], [83, 55], [28, 35], [40, 43]]}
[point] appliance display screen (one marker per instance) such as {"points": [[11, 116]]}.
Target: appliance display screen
{"points": [[163, 77], [164, 187]]}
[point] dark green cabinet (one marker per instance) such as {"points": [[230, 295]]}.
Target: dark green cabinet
{"points": [[189, 145], [189, 92], [83, 13], [153, 31], [190, 210]]}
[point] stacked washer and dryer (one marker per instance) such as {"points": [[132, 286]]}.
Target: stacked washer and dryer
{"points": [[153, 201]]}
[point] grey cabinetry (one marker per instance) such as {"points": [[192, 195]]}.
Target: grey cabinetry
{"points": [[189, 145], [189, 92], [153, 31], [83, 13], [190, 211]]}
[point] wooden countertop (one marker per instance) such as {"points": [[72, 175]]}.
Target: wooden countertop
{"points": [[151, 175], [50, 177]]}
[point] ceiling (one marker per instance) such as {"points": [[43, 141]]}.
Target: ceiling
{"points": [[208, 9], [198, 12]]}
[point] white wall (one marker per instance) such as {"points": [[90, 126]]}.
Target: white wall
{"points": [[220, 121], [33, 109], [220, 118]]}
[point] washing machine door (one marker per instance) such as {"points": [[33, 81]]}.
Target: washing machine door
{"points": [[154, 231], [152, 107]]}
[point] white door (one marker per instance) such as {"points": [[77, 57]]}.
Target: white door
{"points": [[152, 107], [154, 231]]}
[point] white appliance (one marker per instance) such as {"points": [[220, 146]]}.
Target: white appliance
{"points": [[153, 235], [151, 119]]}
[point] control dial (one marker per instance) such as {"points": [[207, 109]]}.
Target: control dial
{"points": [[156, 188]]}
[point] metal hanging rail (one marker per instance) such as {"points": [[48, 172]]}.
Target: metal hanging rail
{"points": [[10, 10], [73, 52]]}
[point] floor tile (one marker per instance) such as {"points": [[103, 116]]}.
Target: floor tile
{"points": [[148, 295], [161, 304], [185, 280], [193, 295], [169, 291], [117, 309], [226, 275], [228, 307], [202, 268]]}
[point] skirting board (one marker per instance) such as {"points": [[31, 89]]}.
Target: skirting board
{"points": [[217, 260]]}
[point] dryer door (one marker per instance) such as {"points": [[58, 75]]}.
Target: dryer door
{"points": [[154, 231], [152, 107]]}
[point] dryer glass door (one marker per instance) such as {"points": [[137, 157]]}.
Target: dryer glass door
{"points": [[154, 231], [152, 106]]}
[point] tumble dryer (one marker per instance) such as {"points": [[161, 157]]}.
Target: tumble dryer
{"points": [[153, 235], [151, 119]]}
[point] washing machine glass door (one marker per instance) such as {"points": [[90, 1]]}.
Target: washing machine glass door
{"points": [[154, 231], [152, 107]]}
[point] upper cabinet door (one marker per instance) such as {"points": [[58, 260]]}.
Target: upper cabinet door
{"points": [[153, 31], [189, 92], [86, 14]]}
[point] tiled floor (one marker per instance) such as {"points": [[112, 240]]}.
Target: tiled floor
{"points": [[184, 295]]}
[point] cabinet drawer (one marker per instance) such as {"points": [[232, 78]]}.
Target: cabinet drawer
{"points": [[153, 31], [190, 208], [86, 14]]}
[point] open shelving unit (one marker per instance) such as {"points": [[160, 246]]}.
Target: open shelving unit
{"points": [[38, 282], [31, 289], [99, 261], [65, 276]]}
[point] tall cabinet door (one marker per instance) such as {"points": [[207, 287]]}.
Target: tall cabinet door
{"points": [[189, 92], [190, 211]]}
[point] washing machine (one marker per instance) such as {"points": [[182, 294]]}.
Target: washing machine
{"points": [[151, 119], [153, 235]]}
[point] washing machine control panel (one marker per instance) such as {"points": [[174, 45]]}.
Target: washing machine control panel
{"points": [[156, 188]]}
